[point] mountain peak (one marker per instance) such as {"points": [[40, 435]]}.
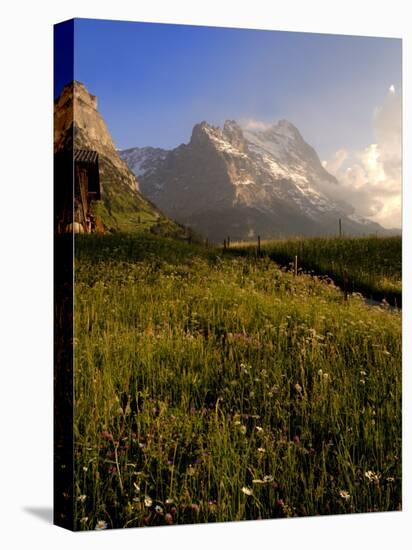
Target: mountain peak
{"points": [[287, 129], [76, 91], [201, 131], [233, 133], [77, 119], [261, 180]]}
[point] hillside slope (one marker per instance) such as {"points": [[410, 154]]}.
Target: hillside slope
{"points": [[79, 124]]}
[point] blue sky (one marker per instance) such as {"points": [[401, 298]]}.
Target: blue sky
{"points": [[154, 81]]}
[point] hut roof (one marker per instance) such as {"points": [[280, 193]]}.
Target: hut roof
{"points": [[85, 155]]}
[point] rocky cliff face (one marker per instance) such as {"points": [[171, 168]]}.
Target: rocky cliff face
{"points": [[227, 181], [78, 124]]}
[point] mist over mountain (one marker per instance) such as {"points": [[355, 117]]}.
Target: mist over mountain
{"points": [[244, 182]]}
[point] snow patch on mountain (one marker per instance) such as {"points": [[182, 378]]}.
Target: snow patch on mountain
{"points": [[267, 180]]}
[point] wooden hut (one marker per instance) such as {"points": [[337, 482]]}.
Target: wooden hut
{"points": [[86, 187], [72, 202]]}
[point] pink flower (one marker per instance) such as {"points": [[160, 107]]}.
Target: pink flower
{"points": [[169, 519]]}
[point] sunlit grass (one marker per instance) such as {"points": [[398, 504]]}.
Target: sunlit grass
{"points": [[216, 388], [373, 264]]}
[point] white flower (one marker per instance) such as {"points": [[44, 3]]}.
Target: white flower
{"points": [[158, 509], [81, 498], [372, 476], [247, 491], [261, 450], [148, 501], [137, 488], [100, 525], [345, 495]]}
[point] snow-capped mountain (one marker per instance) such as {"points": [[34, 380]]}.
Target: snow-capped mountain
{"points": [[244, 183], [142, 160]]}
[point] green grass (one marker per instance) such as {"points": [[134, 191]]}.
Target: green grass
{"points": [[215, 388], [374, 264]]}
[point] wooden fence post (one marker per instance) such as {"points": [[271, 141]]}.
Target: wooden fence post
{"points": [[258, 246], [295, 270], [340, 227], [228, 241], [224, 244]]}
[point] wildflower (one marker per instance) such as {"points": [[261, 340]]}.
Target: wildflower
{"points": [[259, 428], [212, 504], [298, 388], [362, 381], [261, 450], [267, 479], [169, 501], [372, 476], [247, 491], [158, 509], [320, 372], [243, 429], [84, 520], [85, 468], [390, 479], [345, 495], [81, 498], [100, 525], [136, 486], [362, 373], [169, 519], [148, 501]]}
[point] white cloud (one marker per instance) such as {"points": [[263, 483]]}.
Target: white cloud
{"points": [[371, 179], [253, 124]]}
